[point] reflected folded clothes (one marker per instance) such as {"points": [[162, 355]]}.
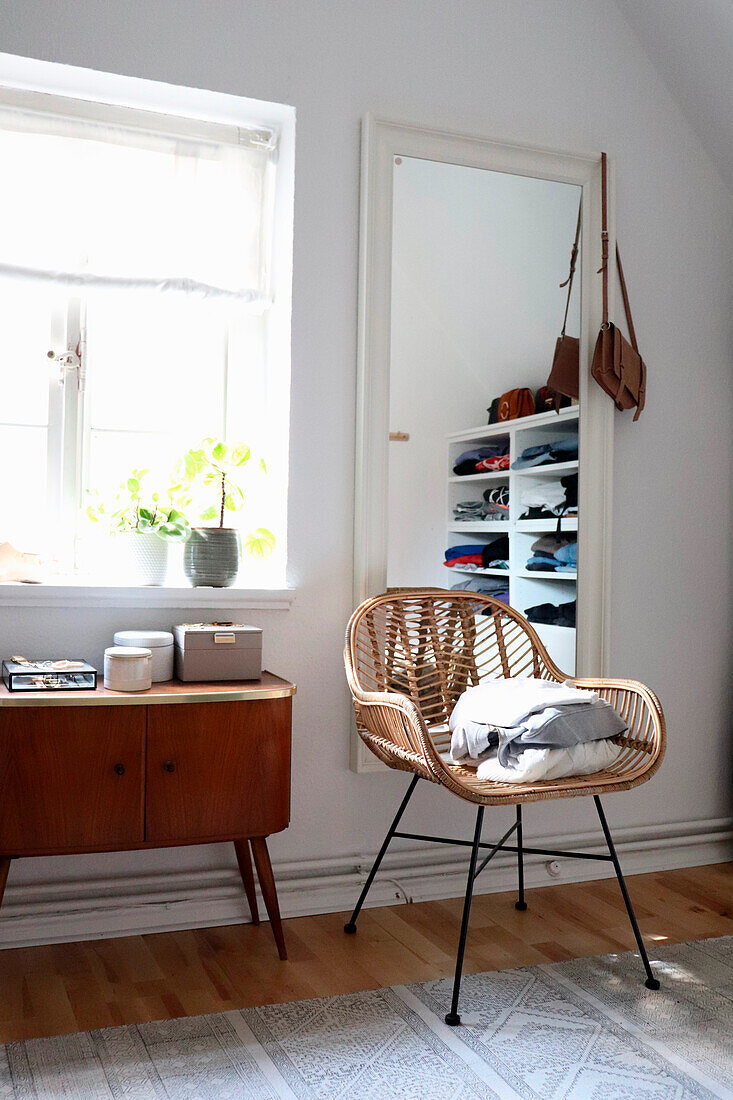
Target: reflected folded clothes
{"points": [[513, 715], [498, 495], [552, 614], [545, 454], [477, 510], [554, 554], [464, 550], [470, 566], [539, 564], [568, 555], [468, 509], [551, 544], [477, 554], [500, 463], [546, 501], [570, 485], [486, 585], [550, 495], [466, 462], [496, 587], [496, 503]]}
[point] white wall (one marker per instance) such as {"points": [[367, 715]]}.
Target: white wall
{"points": [[477, 262], [565, 74]]}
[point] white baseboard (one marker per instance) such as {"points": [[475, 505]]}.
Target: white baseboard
{"points": [[60, 911]]}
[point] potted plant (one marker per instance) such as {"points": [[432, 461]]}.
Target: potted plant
{"points": [[212, 554], [142, 528]]}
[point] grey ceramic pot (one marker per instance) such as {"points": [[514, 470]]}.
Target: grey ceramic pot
{"points": [[211, 557]]}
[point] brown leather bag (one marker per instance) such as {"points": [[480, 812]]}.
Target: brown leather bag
{"points": [[516, 403], [617, 366], [564, 377]]}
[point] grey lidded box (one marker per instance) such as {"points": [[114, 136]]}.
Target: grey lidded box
{"points": [[218, 651]]}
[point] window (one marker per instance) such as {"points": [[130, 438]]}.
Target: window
{"points": [[139, 318]]}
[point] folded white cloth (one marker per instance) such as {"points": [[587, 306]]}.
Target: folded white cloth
{"points": [[507, 702], [536, 764]]}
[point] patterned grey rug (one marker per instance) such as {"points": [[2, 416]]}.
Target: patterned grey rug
{"points": [[581, 1029]]}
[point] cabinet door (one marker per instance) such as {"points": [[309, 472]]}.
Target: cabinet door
{"points": [[71, 778], [218, 770]]}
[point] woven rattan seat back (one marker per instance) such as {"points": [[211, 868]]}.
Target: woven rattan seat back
{"points": [[410, 655], [431, 646]]}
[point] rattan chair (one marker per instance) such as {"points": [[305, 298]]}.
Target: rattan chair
{"points": [[409, 655]]}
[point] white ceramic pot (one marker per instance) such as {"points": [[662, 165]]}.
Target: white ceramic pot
{"points": [[143, 558], [127, 668], [160, 644]]}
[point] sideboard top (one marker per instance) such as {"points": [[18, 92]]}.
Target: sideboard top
{"points": [[173, 691]]}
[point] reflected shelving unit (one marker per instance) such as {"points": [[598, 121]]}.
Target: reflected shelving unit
{"points": [[526, 588]]}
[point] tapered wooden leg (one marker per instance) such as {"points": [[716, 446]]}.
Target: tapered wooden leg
{"points": [[241, 847], [269, 891], [4, 868]]}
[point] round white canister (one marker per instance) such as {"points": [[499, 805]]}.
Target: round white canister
{"points": [[127, 668], [159, 642]]}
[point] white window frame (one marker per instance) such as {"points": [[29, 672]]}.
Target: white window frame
{"points": [[107, 96]]}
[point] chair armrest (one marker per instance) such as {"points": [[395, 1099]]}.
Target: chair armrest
{"points": [[642, 712], [392, 726]]}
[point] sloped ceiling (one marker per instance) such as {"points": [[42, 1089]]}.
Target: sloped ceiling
{"points": [[690, 42]]}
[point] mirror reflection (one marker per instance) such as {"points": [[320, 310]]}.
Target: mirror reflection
{"points": [[480, 266]]}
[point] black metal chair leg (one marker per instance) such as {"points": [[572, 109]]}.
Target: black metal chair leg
{"points": [[350, 926], [651, 982], [521, 904], [452, 1017]]}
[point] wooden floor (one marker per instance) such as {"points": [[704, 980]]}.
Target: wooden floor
{"points": [[74, 987]]}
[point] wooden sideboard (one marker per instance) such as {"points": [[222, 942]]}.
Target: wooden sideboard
{"points": [[100, 771]]}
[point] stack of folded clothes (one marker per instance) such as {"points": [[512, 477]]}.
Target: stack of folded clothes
{"points": [[469, 511], [554, 554], [552, 614], [546, 454], [496, 587], [494, 456], [550, 499], [496, 502], [494, 505], [524, 730], [493, 554]]}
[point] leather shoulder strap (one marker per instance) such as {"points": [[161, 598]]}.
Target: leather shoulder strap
{"points": [[604, 255], [573, 260], [604, 237], [627, 307]]}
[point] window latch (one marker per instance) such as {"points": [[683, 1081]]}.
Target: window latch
{"points": [[68, 361]]}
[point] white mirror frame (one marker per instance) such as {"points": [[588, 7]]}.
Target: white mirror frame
{"points": [[382, 141]]}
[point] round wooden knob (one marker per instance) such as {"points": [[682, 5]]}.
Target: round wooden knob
{"points": [[169, 766], [119, 769]]}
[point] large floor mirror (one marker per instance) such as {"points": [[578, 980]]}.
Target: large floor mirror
{"points": [[465, 255]]}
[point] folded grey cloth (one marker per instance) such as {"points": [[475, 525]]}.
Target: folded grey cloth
{"points": [[561, 728], [554, 727]]}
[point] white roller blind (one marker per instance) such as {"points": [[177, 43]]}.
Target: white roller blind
{"points": [[99, 204]]}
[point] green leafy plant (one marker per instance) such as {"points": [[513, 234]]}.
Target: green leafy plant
{"points": [[216, 468], [132, 509]]}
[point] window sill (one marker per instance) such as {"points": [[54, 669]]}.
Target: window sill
{"points": [[85, 596]]}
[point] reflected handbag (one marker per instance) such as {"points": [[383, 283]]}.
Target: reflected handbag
{"points": [[617, 366], [564, 377], [516, 403]]}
